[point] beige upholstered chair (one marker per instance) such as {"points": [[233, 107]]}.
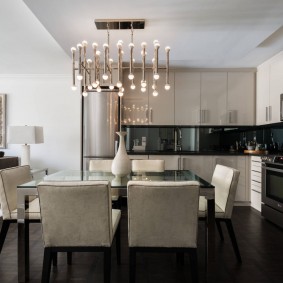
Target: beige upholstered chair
{"points": [[77, 216], [145, 165], [225, 179], [154, 227], [10, 178]]}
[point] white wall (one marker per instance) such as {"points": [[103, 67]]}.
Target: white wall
{"points": [[45, 100]]}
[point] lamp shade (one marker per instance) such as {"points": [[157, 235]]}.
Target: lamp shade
{"points": [[25, 135]]}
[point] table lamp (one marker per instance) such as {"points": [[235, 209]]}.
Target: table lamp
{"points": [[25, 135]]}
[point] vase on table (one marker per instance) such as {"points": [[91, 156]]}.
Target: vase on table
{"points": [[121, 165]]}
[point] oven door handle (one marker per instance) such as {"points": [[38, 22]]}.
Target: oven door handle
{"points": [[272, 169]]}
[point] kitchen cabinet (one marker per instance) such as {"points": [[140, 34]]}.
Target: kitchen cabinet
{"points": [[134, 103], [255, 182], [138, 108], [213, 98], [171, 161], [269, 88], [187, 98], [199, 164], [241, 98], [242, 164]]}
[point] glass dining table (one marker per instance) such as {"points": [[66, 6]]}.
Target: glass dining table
{"points": [[26, 190]]}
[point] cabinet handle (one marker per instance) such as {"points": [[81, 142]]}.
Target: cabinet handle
{"points": [[179, 163], [202, 117], [270, 113], [150, 115], [266, 114], [230, 117]]}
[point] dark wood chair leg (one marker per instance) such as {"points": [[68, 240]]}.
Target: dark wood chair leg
{"points": [[132, 259], [118, 244], [233, 239], [219, 229], [69, 258], [47, 258], [55, 259], [3, 233], [107, 265], [194, 265], [180, 258]]}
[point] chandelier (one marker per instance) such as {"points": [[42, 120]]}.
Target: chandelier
{"points": [[95, 74]]}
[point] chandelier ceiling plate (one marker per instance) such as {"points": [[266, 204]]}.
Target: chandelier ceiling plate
{"points": [[119, 24]]}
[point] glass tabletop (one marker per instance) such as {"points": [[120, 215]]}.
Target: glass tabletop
{"points": [[77, 175]]}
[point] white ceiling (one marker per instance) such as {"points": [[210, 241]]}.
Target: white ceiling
{"points": [[201, 33]]}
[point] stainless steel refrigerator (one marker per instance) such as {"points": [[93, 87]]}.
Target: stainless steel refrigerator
{"points": [[100, 124]]}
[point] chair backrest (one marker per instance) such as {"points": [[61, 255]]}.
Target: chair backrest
{"points": [[101, 165], [163, 214], [142, 165], [10, 178], [76, 213], [225, 179]]}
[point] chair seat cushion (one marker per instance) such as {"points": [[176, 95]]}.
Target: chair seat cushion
{"points": [[116, 215], [219, 213], [33, 212]]}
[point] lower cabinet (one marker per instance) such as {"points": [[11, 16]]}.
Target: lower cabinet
{"points": [[242, 164], [256, 182], [199, 164], [171, 161]]}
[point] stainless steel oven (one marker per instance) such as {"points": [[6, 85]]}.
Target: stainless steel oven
{"points": [[272, 189]]}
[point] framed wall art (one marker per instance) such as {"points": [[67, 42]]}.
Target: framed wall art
{"points": [[2, 120]]}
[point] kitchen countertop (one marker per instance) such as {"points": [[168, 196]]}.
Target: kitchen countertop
{"points": [[209, 152]]}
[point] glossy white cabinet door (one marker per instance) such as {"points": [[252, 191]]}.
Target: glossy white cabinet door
{"points": [[187, 98], [241, 98], [161, 107], [262, 92], [213, 98], [276, 88]]}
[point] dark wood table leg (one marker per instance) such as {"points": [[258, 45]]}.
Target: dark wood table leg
{"points": [[210, 238], [23, 242]]}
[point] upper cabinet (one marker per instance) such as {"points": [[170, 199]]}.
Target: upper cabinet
{"points": [[241, 98], [142, 108], [213, 98], [195, 98], [269, 88], [187, 98]]}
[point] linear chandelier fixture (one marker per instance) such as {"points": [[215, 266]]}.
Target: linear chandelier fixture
{"points": [[95, 74]]}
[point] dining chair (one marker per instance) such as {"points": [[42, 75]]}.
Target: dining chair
{"points": [[146, 165], [225, 179], [104, 165], [78, 217], [10, 178], [155, 228]]}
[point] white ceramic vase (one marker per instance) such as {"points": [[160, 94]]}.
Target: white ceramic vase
{"points": [[121, 165]]}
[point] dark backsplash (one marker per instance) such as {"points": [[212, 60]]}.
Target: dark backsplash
{"points": [[202, 138]]}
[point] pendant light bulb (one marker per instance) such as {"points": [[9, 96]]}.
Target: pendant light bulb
{"points": [[167, 86], [79, 77], [155, 93], [143, 84], [98, 89], [74, 87], [133, 86], [119, 84], [105, 77], [94, 84], [143, 89], [120, 93], [156, 76], [85, 93], [111, 86], [131, 76], [89, 87]]}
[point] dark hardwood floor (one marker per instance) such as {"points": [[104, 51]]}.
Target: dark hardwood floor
{"points": [[260, 243]]}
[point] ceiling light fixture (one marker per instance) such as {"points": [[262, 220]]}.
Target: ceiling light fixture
{"points": [[93, 74]]}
